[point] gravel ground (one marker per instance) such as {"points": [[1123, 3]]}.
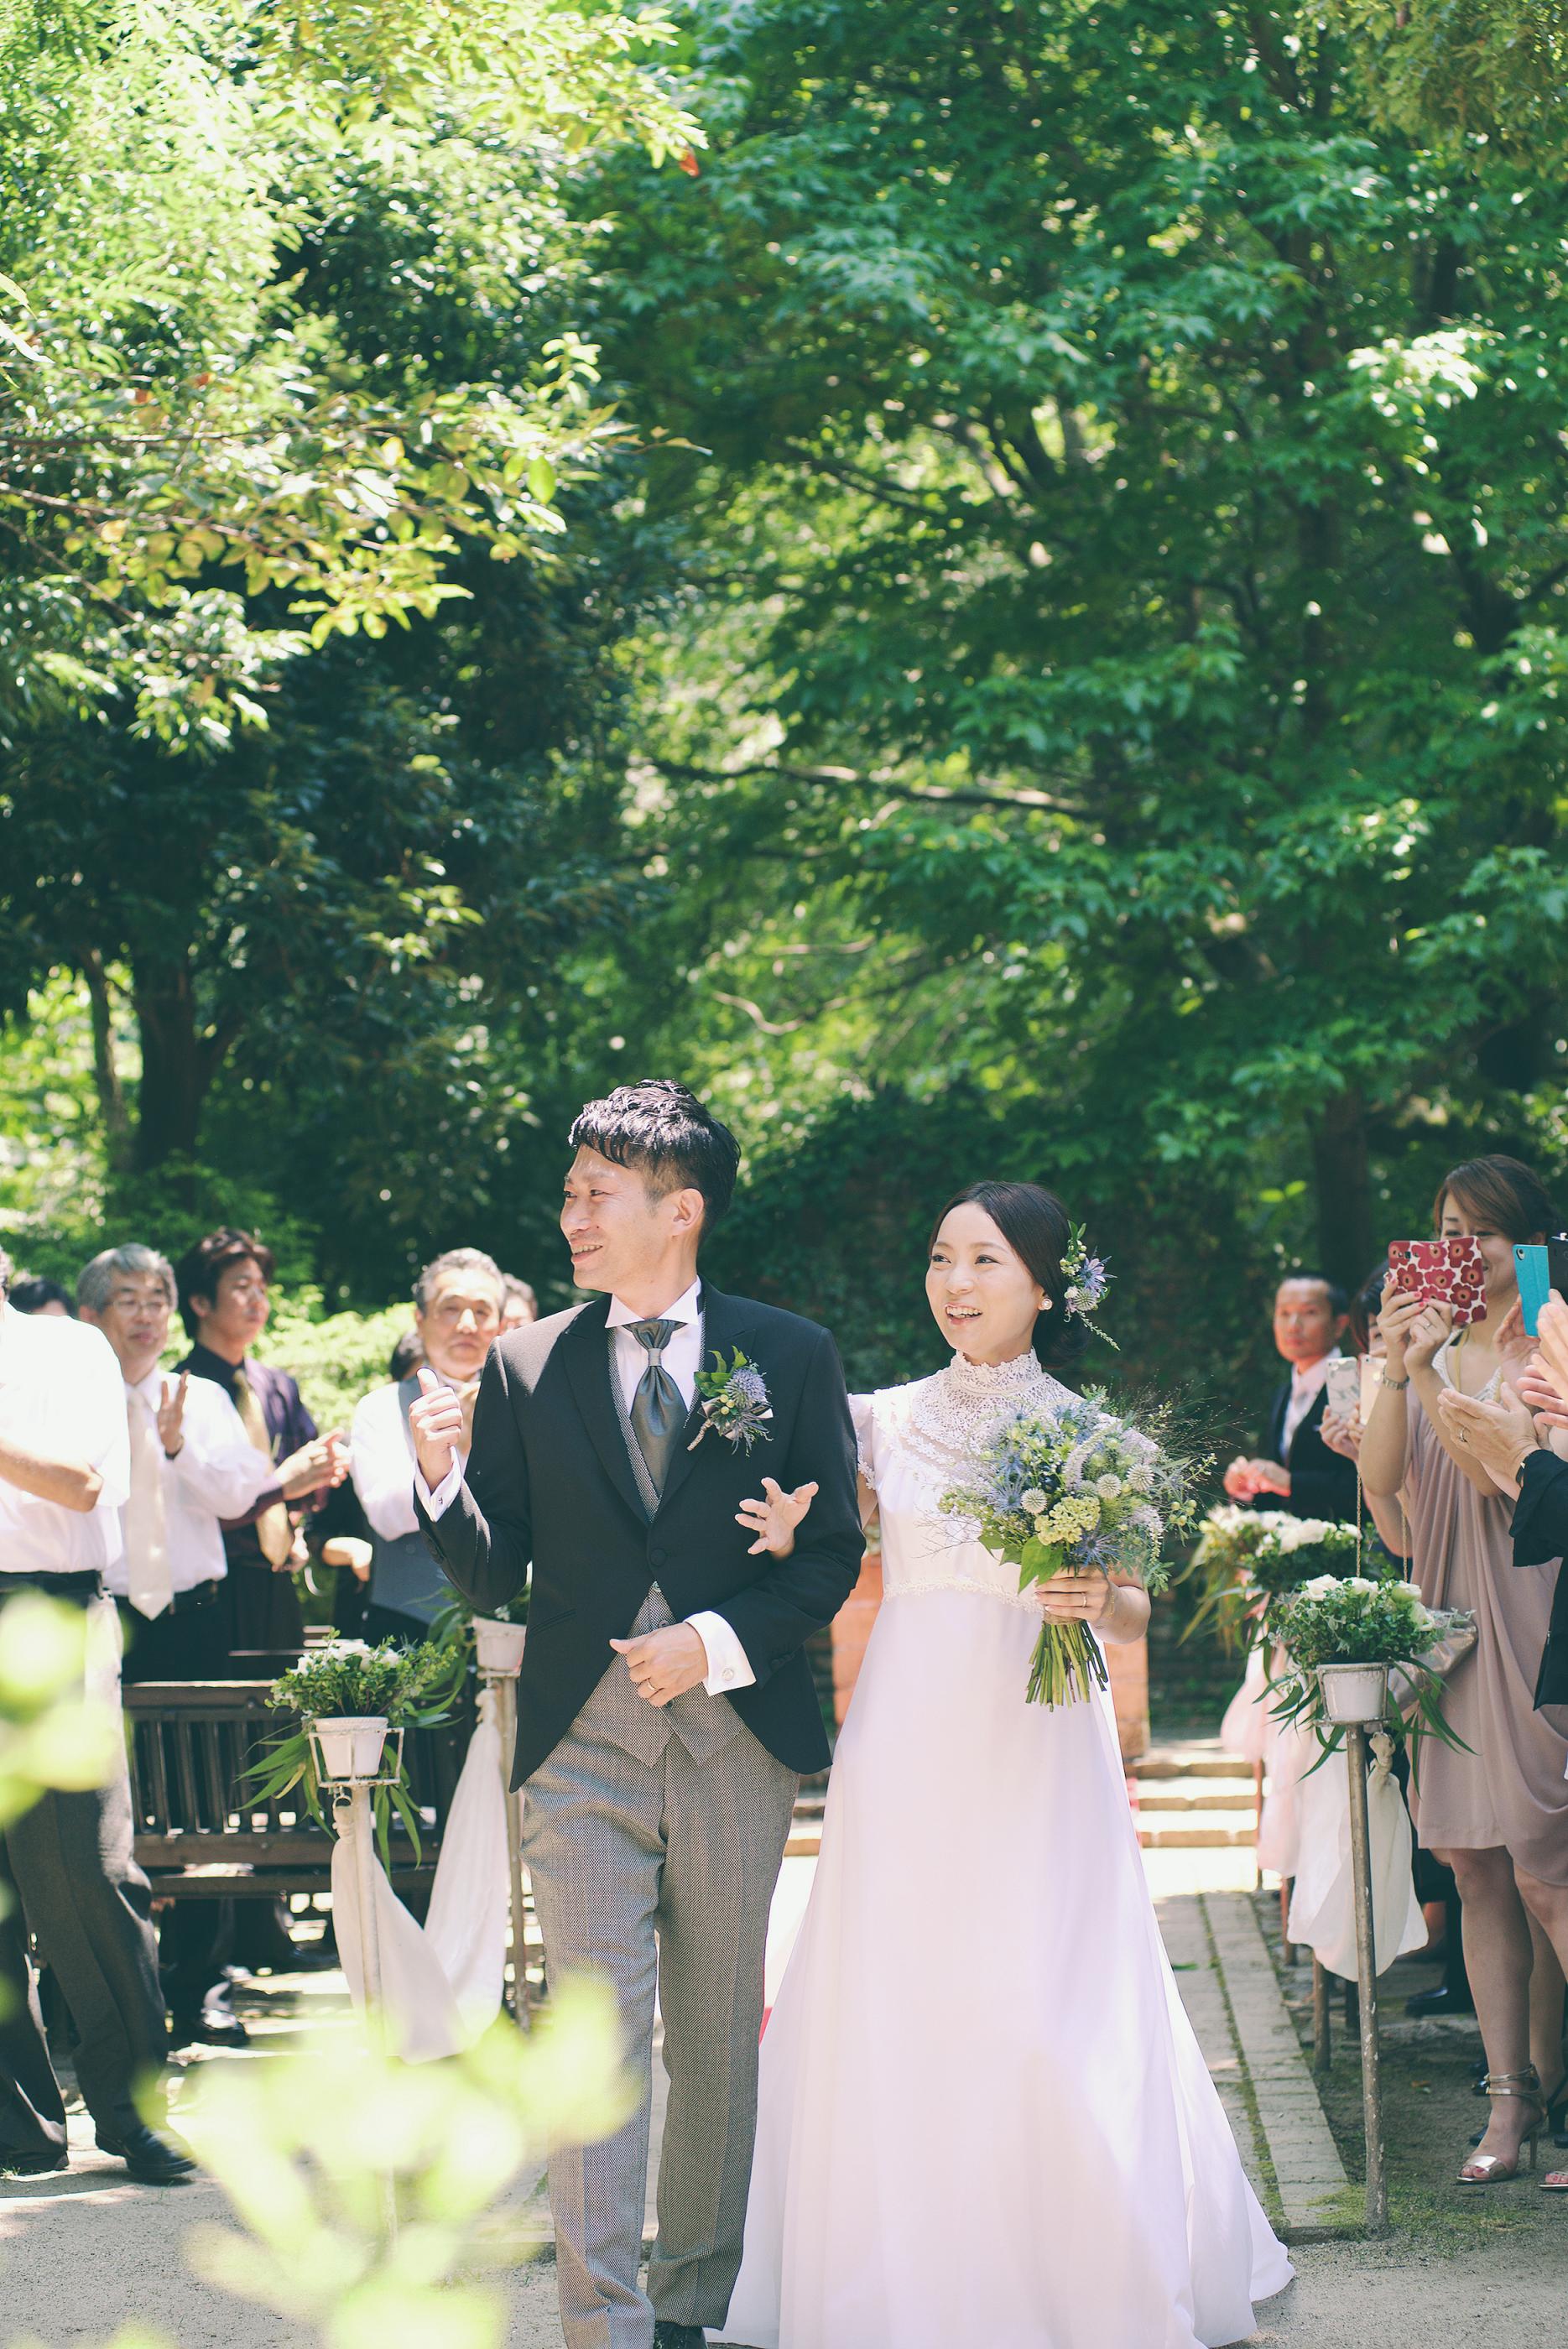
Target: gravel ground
{"points": [[83, 2255]]}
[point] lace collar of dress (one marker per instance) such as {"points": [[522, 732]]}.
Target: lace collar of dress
{"points": [[956, 1413]]}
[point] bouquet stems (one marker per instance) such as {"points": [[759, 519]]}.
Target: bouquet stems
{"points": [[1067, 1666]]}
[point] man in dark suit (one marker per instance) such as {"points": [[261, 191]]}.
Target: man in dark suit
{"points": [[665, 1705], [1297, 1472]]}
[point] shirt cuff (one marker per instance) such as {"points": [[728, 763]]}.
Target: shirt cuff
{"points": [[437, 1504], [727, 1667]]}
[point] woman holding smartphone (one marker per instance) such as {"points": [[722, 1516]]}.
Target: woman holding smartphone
{"points": [[1498, 1813]]}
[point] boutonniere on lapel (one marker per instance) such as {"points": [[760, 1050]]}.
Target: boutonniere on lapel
{"points": [[734, 1402]]}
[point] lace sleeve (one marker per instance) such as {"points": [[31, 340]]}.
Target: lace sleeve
{"points": [[863, 1411]]}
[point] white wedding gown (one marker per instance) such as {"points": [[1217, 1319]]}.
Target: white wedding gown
{"points": [[984, 2120]]}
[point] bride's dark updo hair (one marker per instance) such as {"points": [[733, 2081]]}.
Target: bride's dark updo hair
{"points": [[1036, 1227]]}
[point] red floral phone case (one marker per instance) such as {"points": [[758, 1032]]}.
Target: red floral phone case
{"points": [[1441, 1272]]}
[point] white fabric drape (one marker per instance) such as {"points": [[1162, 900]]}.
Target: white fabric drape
{"points": [[1323, 1903], [440, 1982], [467, 1922]]}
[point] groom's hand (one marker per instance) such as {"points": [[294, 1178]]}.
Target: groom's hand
{"points": [[664, 1664], [436, 1422]]}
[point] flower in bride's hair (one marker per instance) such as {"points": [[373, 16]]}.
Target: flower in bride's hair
{"points": [[1087, 1277]]}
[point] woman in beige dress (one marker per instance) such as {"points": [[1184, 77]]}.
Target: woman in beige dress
{"points": [[1498, 1812]]}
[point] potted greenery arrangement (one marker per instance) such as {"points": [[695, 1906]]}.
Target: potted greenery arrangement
{"points": [[348, 1697], [497, 1638], [1248, 1561], [1341, 1637]]}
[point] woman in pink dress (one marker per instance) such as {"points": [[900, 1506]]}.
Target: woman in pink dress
{"points": [[1495, 1810]]}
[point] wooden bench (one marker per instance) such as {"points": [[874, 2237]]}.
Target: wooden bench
{"points": [[201, 1835]]}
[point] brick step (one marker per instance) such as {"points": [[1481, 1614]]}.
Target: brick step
{"points": [[1191, 1758], [1197, 1830], [1161, 1795], [805, 1841]]}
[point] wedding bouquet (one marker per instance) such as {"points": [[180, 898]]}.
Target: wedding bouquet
{"points": [[1077, 1490], [1356, 1619], [411, 1687]]}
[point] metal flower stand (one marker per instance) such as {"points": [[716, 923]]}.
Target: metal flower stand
{"points": [[352, 1759], [498, 1652], [1356, 1697]]}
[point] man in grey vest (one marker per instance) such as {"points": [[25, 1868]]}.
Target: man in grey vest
{"points": [[665, 1705], [458, 1303]]}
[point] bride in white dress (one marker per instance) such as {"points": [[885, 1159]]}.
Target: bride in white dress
{"points": [[984, 2120]]}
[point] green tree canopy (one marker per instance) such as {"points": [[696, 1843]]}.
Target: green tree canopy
{"points": [[296, 352], [1124, 658]]}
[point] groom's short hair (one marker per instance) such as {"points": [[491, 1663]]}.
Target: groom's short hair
{"points": [[663, 1130]]}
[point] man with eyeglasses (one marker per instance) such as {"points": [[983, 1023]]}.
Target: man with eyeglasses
{"points": [[460, 1300], [224, 1284], [68, 1867]]}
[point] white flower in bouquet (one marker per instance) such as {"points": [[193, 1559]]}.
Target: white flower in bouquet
{"points": [[1107, 1487], [1035, 1500], [1298, 1533]]}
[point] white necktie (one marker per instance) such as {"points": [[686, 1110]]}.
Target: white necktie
{"points": [[148, 1573]]}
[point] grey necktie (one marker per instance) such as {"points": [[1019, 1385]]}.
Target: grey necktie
{"points": [[658, 1413]]}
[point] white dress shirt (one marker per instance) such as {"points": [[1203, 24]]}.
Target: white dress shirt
{"points": [[727, 1666], [1306, 1385], [61, 1397], [216, 1473], [383, 1464]]}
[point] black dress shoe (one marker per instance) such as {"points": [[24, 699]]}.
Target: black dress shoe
{"points": [[214, 2026], [158, 2160], [1442, 1999], [47, 2164]]}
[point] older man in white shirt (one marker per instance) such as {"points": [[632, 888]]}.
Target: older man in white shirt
{"points": [[64, 1477], [192, 1465], [459, 1302]]}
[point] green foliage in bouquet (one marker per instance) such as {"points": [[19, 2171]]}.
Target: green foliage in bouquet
{"points": [[1357, 1619], [412, 1688], [1079, 1490]]}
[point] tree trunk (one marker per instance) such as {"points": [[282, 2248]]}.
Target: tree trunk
{"points": [[175, 1072], [1344, 1181], [106, 1076]]}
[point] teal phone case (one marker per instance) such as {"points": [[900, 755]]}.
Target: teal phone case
{"points": [[1532, 1266]]}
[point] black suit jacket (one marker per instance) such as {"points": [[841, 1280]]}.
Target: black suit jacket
{"points": [[1540, 1535], [549, 1484], [1322, 1484]]}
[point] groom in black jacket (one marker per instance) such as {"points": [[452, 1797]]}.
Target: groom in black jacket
{"points": [[665, 1705]]}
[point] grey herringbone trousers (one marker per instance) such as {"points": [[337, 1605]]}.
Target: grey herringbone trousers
{"points": [[660, 1871]]}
